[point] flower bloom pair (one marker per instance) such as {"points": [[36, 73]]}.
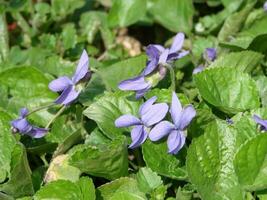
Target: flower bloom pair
{"points": [[70, 91], [152, 114], [155, 70]]}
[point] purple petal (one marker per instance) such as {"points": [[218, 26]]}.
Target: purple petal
{"points": [[153, 55], [141, 93], [67, 96], [138, 136], [145, 106], [210, 54], [188, 114], [127, 120], [155, 114], [134, 84], [177, 43], [175, 142], [37, 132], [22, 125], [159, 47], [261, 122], [160, 130], [163, 56], [198, 69], [23, 112], [175, 56], [82, 68], [176, 109], [265, 6], [60, 84]]}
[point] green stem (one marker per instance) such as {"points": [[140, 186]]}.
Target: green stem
{"points": [[44, 160], [172, 73], [59, 112], [40, 108], [138, 157]]}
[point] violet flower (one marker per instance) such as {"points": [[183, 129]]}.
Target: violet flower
{"points": [[265, 6], [210, 54], [69, 87], [155, 71], [181, 118], [198, 69], [261, 122], [149, 115], [22, 126]]}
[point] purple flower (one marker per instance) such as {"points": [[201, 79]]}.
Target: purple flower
{"points": [[149, 115], [155, 69], [210, 54], [158, 55], [68, 86], [261, 122], [198, 69], [22, 126], [265, 6], [181, 118]]}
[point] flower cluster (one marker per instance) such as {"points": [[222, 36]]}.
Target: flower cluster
{"points": [[70, 90], [158, 59]]}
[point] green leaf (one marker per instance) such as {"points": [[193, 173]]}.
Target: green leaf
{"points": [[125, 184], [60, 10], [234, 23], [253, 37], [109, 161], [126, 196], [245, 61], [148, 180], [157, 158], [122, 70], [7, 143], [124, 13], [250, 163], [4, 46], [69, 36], [67, 190], [261, 82], [28, 87], [19, 183], [107, 109], [59, 169], [210, 163], [175, 15], [228, 89], [87, 188]]}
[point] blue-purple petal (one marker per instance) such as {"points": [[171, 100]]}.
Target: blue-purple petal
{"points": [[265, 6], [67, 96], [261, 122], [159, 47], [177, 43], [22, 125], [145, 106], [134, 84], [176, 109], [141, 93], [23, 112], [198, 69], [188, 114], [175, 141], [60, 84], [154, 114], [210, 54], [82, 68], [163, 57], [160, 130], [138, 136], [126, 121], [37, 132]]}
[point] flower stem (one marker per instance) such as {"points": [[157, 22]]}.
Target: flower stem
{"points": [[40, 108], [172, 73], [59, 112]]}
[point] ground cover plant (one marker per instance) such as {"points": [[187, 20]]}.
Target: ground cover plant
{"points": [[133, 99]]}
